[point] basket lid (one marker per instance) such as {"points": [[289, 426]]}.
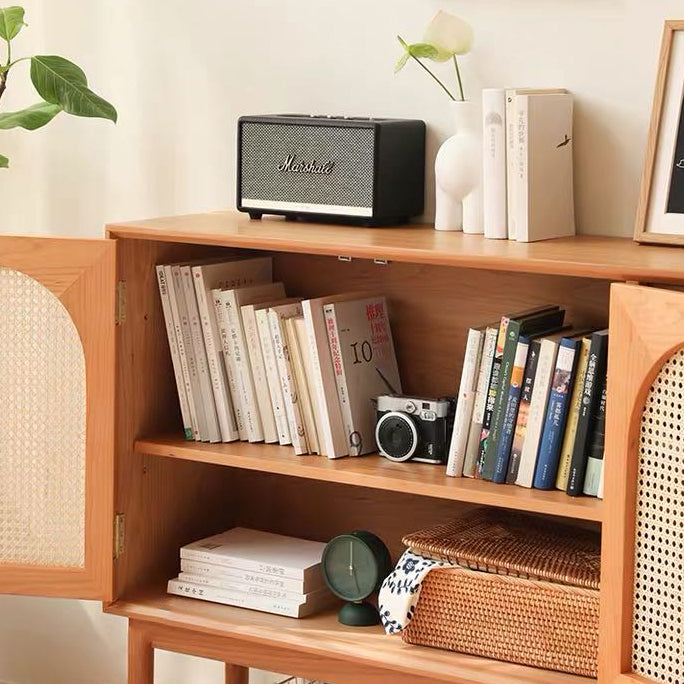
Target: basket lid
{"points": [[510, 543]]}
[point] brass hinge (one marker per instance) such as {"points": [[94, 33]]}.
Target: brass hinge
{"points": [[119, 535], [121, 302]]}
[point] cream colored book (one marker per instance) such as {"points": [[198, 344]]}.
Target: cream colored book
{"points": [[293, 409], [233, 300], [298, 364], [573, 417]]}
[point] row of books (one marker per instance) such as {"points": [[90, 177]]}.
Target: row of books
{"points": [[527, 180], [256, 570], [531, 404], [251, 363]]}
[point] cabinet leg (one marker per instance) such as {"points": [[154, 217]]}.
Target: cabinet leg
{"points": [[235, 674], [140, 655]]}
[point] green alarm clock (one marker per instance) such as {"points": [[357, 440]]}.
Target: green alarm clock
{"points": [[354, 567]]}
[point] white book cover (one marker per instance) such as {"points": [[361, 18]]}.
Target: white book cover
{"points": [[465, 402], [480, 401], [232, 584], [494, 163], [233, 300], [259, 579], [332, 432], [214, 431], [545, 199], [187, 352], [273, 375], [263, 552], [299, 346], [512, 152], [246, 600], [174, 350], [535, 418], [600, 487], [259, 372], [224, 275], [293, 410], [365, 365]]}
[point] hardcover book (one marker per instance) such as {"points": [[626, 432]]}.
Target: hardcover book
{"points": [[365, 365], [494, 162], [556, 414], [596, 371], [594, 476]]}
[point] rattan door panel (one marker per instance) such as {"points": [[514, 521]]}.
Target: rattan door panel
{"points": [[56, 416], [643, 530]]}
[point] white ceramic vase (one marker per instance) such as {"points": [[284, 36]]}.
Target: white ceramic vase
{"points": [[458, 173]]}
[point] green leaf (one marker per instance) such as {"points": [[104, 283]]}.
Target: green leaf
{"points": [[401, 63], [423, 50], [11, 21], [4, 162], [61, 82], [30, 118]]}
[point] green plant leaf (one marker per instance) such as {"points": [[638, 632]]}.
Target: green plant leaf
{"points": [[11, 21], [423, 50], [30, 118], [401, 62], [4, 162], [61, 82]]}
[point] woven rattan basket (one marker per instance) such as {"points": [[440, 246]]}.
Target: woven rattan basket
{"points": [[532, 598]]}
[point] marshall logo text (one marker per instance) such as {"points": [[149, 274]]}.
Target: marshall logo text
{"points": [[313, 167]]}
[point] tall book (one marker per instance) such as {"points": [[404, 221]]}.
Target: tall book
{"points": [[602, 480], [197, 336], [510, 414], [556, 413], [544, 319], [548, 351], [302, 386], [331, 431], [233, 300], [259, 371], [465, 402], [542, 185], [365, 364], [475, 430], [520, 431], [591, 395], [593, 480], [175, 353], [573, 417], [275, 387], [224, 275], [494, 162], [187, 354], [293, 409]]}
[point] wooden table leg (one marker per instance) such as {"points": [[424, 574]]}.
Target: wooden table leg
{"points": [[235, 674], [140, 654]]}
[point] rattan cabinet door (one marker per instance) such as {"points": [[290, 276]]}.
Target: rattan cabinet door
{"points": [[642, 577], [56, 416]]}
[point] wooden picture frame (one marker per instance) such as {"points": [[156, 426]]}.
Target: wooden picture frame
{"points": [[660, 213]]}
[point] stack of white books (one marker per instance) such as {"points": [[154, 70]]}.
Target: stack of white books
{"points": [[256, 570], [252, 364]]}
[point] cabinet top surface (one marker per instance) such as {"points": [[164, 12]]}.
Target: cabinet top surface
{"points": [[583, 255]]}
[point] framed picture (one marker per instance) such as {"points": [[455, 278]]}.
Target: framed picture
{"points": [[660, 216]]}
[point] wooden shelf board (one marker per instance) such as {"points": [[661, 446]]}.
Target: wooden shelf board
{"points": [[322, 637], [377, 473], [582, 255]]}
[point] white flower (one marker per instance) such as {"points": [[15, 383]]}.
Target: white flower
{"points": [[450, 35]]}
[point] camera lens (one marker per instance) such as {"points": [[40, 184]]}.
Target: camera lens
{"points": [[396, 436]]}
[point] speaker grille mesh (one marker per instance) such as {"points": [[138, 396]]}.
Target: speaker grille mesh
{"points": [[657, 651], [265, 146]]}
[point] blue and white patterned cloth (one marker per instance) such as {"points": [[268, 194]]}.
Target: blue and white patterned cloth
{"points": [[400, 591]]}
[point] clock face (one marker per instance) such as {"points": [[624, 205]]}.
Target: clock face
{"points": [[350, 568]]}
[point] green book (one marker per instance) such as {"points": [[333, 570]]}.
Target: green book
{"points": [[538, 323]]}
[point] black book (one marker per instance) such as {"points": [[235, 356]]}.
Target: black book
{"points": [[591, 395], [592, 479]]}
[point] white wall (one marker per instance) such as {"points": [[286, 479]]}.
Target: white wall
{"points": [[181, 72]]}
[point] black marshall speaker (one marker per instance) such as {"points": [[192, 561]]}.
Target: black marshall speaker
{"points": [[356, 170]]}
